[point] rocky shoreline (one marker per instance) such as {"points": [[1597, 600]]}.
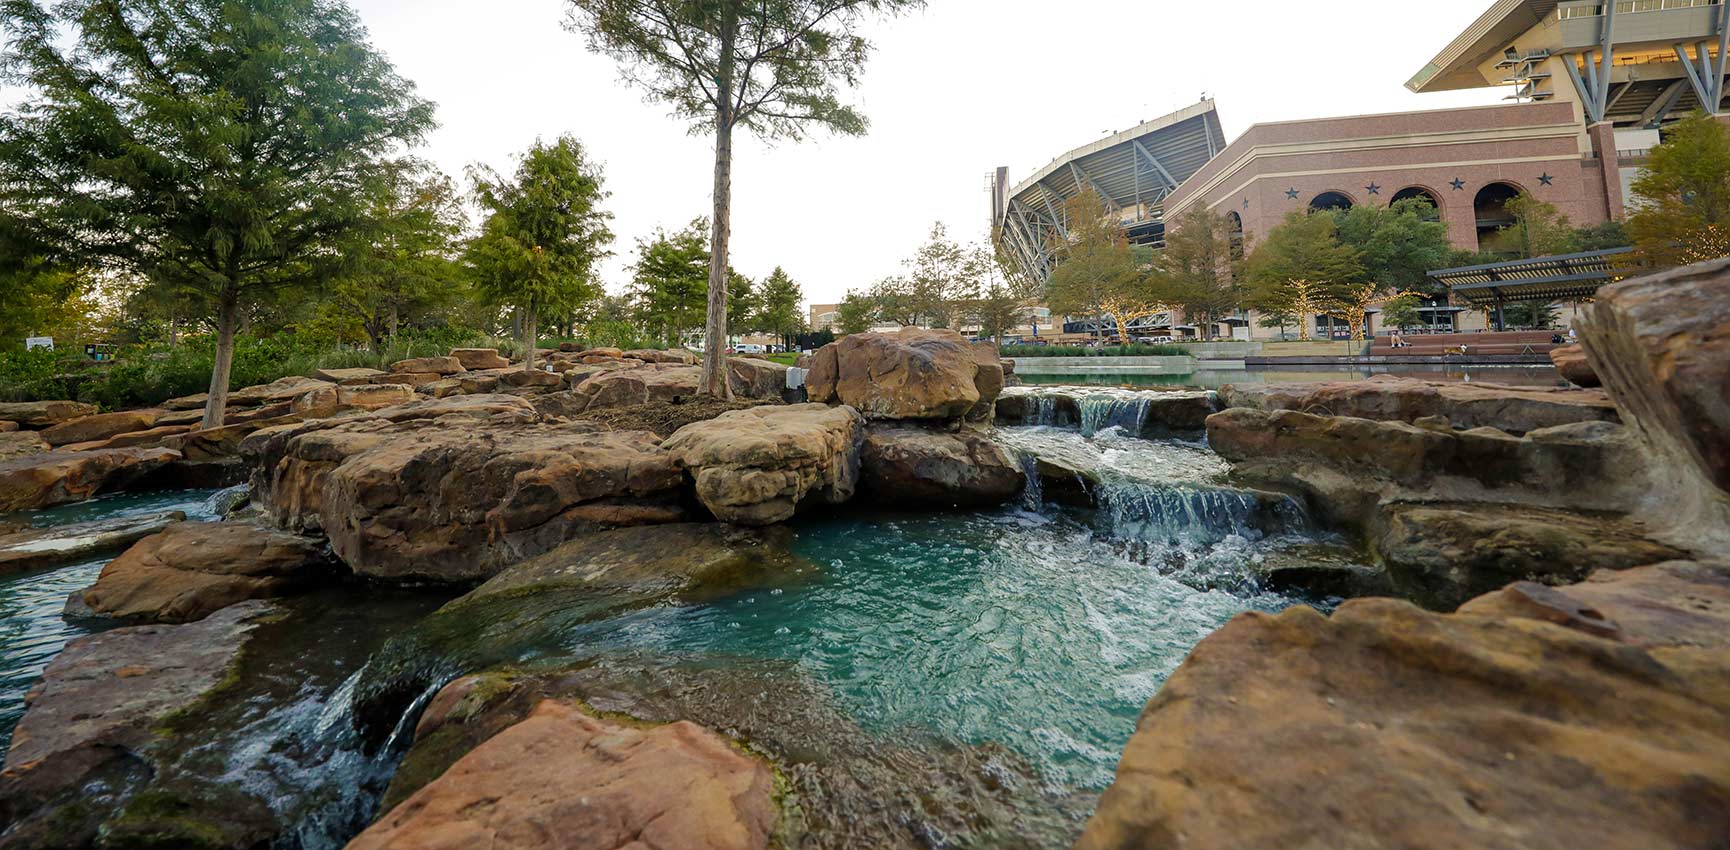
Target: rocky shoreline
{"points": [[1564, 687]]}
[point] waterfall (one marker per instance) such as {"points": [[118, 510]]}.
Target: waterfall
{"points": [[1100, 411], [1185, 515]]}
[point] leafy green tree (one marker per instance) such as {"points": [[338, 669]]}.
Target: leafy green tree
{"points": [[1602, 236], [1298, 266], [1397, 245], [943, 278], [741, 300], [38, 297], [216, 146], [1196, 271], [777, 309], [670, 282], [402, 258], [1093, 264], [543, 235], [894, 300], [1539, 230], [856, 313], [1278, 319], [1682, 201], [771, 67], [1401, 312]]}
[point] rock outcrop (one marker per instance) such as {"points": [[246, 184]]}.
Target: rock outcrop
{"points": [[454, 489], [37, 415], [1570, 361], [1388, 726], [329, 401], [192, 570], [56, 478], [275, 392], [908, 466], [97, 714], [914, 374], [36, 548], [759, 465], [15, 444], [592, 784], [99, 426], [479, 358], [1661, 344], [1515, 410], [428, 366]]}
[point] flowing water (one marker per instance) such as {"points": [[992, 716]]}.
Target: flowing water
{"points": [[31, 628], [1038, 627]]}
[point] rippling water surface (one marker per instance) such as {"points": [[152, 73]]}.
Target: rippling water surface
{"points": [[31, 628]]}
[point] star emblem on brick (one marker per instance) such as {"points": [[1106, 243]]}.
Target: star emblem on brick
{"points": [[1246, 203], [1291, 193], [1373, 189], [1546, 179], [1458, 184]]}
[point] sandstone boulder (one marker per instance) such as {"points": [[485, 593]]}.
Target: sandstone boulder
{"points": [[337, 376], [36, 548], [619, 387], [43, 414], [56, 478], [592, 784], [901, 465], [186, 402], [604, 351], [753, 378], [1661, 344], [523, 378], [222, 442], [1444, 554], [427, 365], [277, 391], [1345, 466], [101, 701], [99, 426], [478, 358], [1493, 728], [329, 401], [7, 426], [914, 374], [455, 489], [191, 570], [14, 444], [1386, 398], [412, 379], [756, 466], [671, 355], [134, 439], [1571, 362]]}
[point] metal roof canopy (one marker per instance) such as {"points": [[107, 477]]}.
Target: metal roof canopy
{"points": [[1561, 277]]}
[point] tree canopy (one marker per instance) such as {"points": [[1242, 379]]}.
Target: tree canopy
{"points": [[1397, 245], [544, 233], [1682, 202], [775, 67], [216, 147], [777, 307], [670, 282], [1094, 261]]}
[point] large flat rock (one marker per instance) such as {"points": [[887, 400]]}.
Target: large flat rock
{"points": [[56, 478], [905, 465], [913, 374], [1512, 409], [759, 465], [1387, 726], [36, 548], [191, 570], [43, 414]]}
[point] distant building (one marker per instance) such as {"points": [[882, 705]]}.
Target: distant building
{"points": [[1593, 83]]}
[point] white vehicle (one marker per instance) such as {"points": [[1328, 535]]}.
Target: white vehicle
{"points": [[750, 348]]}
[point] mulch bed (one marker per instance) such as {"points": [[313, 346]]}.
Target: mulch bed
{"points": [[664, 418]]}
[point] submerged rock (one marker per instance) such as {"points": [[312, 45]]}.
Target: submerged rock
{"points": [[1511, 725], [757, 466], [900, 465], [35, 548], [1515, 410], [192, 570], [56, 478], [914, 374], [456, 489], [96, 720], [562, 778]]}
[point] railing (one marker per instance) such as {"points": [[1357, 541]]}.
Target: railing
{"points": [[1595, 8]]}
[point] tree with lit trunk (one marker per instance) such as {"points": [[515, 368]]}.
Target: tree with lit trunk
{"points": [[1298, 265], [215, 148], [544, 233], [771, 66]]}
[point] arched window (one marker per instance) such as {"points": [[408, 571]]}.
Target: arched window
{"points": [[1490, 208], [1330, 201], [1234, 234], [1419, 193]]}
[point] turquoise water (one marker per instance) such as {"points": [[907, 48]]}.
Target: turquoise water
{"points": [[31, 628]]}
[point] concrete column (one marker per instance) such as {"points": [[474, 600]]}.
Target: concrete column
{"points": [[1603, 137]]}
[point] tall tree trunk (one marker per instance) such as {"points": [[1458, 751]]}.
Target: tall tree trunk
{"points": [[227, 320], [715, 329], [531, 345]]}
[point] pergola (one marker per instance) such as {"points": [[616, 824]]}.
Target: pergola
{"points": [[1563, 277], [1132, 172]]}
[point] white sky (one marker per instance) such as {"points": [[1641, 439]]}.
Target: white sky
{"points": [[952, 92]]}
